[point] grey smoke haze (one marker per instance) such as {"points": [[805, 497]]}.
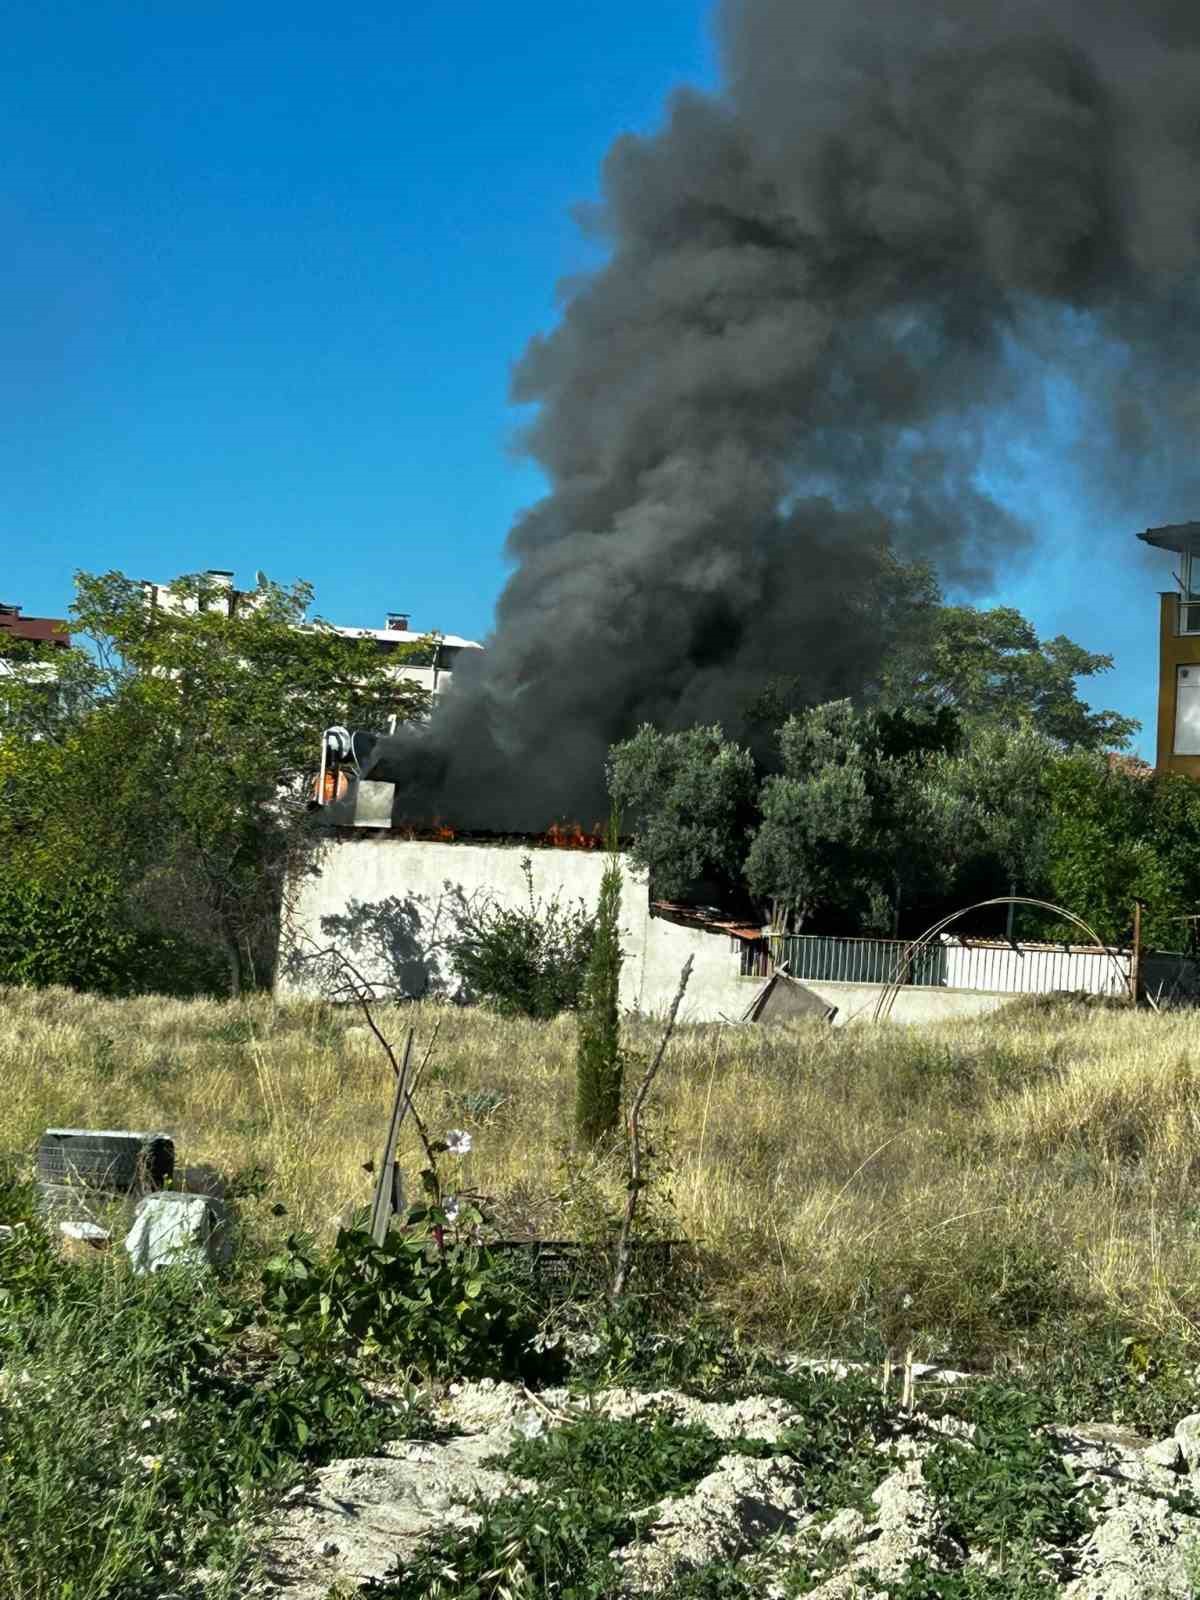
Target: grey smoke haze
{"points": [[819, 288]]}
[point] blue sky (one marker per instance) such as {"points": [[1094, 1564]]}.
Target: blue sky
{"points": [[268, 267]]}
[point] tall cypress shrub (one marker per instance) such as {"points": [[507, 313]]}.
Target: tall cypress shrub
{"points": [[598, 1051]]}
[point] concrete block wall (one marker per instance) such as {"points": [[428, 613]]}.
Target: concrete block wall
{"points": [[391, 905]]}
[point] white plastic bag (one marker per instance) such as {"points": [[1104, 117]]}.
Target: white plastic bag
{"points": [[173, 1229]]}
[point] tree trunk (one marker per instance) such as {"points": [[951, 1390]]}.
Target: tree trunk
{"points": [[233, 965]]}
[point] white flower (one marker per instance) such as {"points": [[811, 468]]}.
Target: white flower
{"points": [[531, 1427], [451, 1207], [458, 1142]]}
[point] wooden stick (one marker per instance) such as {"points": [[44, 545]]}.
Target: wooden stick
{"points": [[624, 1242], [381, 1211]]}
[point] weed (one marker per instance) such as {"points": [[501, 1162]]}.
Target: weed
{"points": [[1010, 1485], [525, 960], [233, 1031], [479, 1105], [965, 1189], [600, 1478], [248, 1183], [1022, 1580], [637, 1459], [104, 1059], [137, 1433], [429, 1299], [1110, 1373]]}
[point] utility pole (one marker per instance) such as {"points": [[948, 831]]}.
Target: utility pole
{"points": [[1135, 962]]}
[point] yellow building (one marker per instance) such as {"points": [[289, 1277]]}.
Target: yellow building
{"points": [[1179, 652]]}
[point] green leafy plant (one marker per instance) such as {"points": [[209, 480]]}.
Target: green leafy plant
{"points": [[599, 1479], [524, 960], [430, 1298], [1010, 1485], [141, 1426], [1112, 1374], [638, 1459], [1022, 1579], [77, 932]]}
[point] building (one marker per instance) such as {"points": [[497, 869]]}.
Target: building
{"points": [[32, 630], [1178, 743], [431, 667], [391, 902], [443, 650], [39, 677]]}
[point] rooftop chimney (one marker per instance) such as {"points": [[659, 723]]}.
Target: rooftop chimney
{"points": [[397, 622]]}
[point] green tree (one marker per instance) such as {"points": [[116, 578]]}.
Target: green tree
{"points": [[990, 806], [1120, 835], [598, 1067], [850, 824], [989, 666], [182, 758], [690, 798]]}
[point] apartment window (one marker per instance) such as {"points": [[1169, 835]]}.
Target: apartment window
{"points": [[1187, 711]]}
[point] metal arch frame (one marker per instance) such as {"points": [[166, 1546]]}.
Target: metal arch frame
{"points": [[883, 1006]]}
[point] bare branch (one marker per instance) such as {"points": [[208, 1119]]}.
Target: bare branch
{"points": [[624, 1242], [362, 991]]}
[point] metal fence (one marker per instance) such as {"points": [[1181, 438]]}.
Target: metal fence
{"points": [[858, 960], [990, 965], [1001, 968]]}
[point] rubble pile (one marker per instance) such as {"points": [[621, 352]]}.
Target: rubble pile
{"points": [[355, 1521]]}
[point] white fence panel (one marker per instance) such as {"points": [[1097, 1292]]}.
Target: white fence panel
{"points": [[1001, 968]]}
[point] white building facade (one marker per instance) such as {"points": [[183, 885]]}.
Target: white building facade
{"points": [[432, 668]]}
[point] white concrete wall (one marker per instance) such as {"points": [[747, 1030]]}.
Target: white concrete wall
{"points": [[391, 904], [856, 1002], [716, 992]]}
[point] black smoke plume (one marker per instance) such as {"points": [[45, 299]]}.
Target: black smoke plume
{"points": [[823, 283]]}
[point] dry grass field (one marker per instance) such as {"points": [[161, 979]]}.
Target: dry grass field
{"points": [[956, 1188]]}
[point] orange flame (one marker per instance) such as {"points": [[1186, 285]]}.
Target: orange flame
{"points": [[570, 836], [437, 829]]}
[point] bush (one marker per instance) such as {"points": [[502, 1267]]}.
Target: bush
{"points": [[428, 1299], [526, 961], [77, 935]]}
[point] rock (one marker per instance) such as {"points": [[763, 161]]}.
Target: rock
{"points": [[82, 1240], [1164, 1453], [741, 1502], [1137, 1550], [476, 1406], [85, 1233], [1187, 1433], [844, 1527], [357, 1519], [360, 1516], [757, 1417], [1111, 1433]]}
